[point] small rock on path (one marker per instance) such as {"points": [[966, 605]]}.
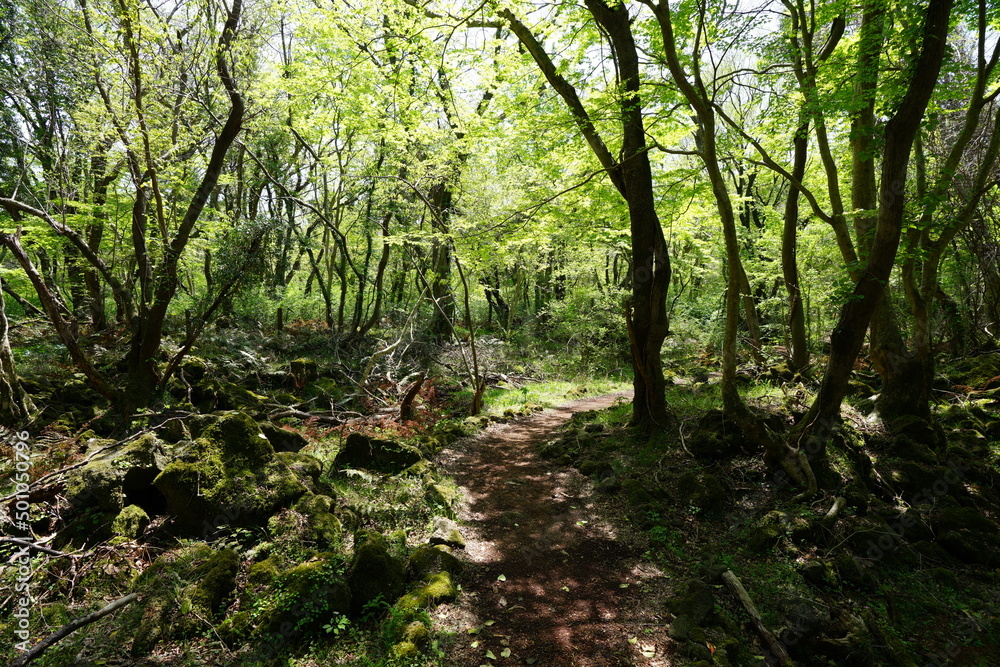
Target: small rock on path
{"points": [[552, 575]]}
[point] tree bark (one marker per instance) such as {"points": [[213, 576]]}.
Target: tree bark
{"points": [[632, 177], [15, 405], [789, 259], [855, 317]]}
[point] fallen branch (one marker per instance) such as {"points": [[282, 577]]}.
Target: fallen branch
{"points": [[39, 648], [34, 485], [35, 546], [777, 648]]}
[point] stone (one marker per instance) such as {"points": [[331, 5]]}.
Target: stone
{"points": [[697, 603], [182, 589], [282, 439], [374, 577], [446, 532], [307, 597], [130, 522], [383, 456], [303, 371], [437, 588], [636, 492], [442, 496], [119, 476], [429, 559], [231, 477], [306, 467], [906, 448]]}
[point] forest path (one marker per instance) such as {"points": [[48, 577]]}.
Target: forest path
{"points": [[554, 572]]}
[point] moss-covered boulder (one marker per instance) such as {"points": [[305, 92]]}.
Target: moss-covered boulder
{"points": [[968, 535], [716, 437], [437, 588], [212, 394], [130, 522], [446, 532], [442, 496], [230, 476], [183, 591], [307, 597], [383, 456], [307, 468], [700, 491], [430, 559], [309, 522], [374, 576], [282, 439], [303, 371], [118, 476]]}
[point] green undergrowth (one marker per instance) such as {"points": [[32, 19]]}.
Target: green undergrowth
{"points": [[829, 589]]}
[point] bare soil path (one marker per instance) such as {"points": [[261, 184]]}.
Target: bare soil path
{"points": [[554, 571]]}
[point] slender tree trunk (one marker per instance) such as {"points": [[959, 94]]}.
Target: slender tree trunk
{"points": [[632, 177], [15, 405], [789, 259], [900, 132]]}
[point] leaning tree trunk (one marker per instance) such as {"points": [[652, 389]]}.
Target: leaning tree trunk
{"points": [[15, 405], [900, 132], [646, 313]]}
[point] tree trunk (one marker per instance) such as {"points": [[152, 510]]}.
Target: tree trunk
{"points": [[443, 313], [855, 317], [789, 260], [15, 405], [632, 177]]}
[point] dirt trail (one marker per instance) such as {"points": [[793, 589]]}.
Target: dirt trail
{"points": [[553, 570]]}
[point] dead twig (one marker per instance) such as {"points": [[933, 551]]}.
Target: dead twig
{"points": [[777, 648], [39, 648]]}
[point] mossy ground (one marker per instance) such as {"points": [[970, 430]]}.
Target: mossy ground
{"points": [[917, 599]]}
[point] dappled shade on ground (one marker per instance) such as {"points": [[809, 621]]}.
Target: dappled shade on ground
{"points": [[552, 576]]}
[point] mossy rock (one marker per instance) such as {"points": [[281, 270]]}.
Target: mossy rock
{"points": [[374, 575], [264, 572], [701, 491], [383, 456], [404, 650], [429, 559], [315, 524], [446, 532], [964, 518], [306, 467], [194, 368], [821, 573], [108, 479], [281, 439], [422, 468], [76, 392], [590, 467], [437, 588], [908, 449], [307, 597], [181, 590], [230, 477], [697, 603], [637, 492], [130, 522], [716, 437], [236, 629], [303, 371], [212, 394], [442, 496]]}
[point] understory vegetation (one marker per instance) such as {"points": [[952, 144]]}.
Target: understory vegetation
{"points": [[261, 263]]}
